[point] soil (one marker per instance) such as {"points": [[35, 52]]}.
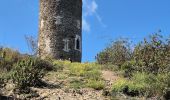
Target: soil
{"points": [[59, 90]]}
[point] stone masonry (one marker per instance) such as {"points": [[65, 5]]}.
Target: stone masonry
{"points": [[60, 29]]}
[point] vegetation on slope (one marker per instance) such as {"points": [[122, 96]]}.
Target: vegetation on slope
{"points": [[146, 68], [143, 71]]}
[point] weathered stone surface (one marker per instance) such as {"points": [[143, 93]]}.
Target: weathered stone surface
{"points": [[59, 20]]}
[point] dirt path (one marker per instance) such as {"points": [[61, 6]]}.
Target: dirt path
{"points": [[109, 76]]}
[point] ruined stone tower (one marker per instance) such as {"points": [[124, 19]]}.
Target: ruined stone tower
{"points": [[60, 29]]}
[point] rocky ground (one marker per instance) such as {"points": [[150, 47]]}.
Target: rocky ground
{"points": [[58, 89]]}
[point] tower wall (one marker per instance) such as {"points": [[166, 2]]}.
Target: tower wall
{"points": [[60, 29]]}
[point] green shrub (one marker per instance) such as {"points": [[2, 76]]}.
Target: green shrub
{"points": [[96, 84], [143, 84], [160, 84], [90, 72], [154, 53], [60, 65], [129, 87], [44, 64], [94, 74], [27, 73], [119, 85], [84, 69], [128, 68], [116, 53], [8, 57], [77, 84]]}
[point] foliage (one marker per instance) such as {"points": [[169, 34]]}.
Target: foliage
{"points": [[59, 65], [45, 64], [154, 53], [151, 55], [96, 84], [27, 73], [130, 87], [90, 72], [160, 84], [7, 58], [143, 84], [116, 53], [77, 84], [146, 66], [87, 70], [129, 67]]}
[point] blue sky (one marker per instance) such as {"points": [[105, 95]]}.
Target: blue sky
{"points": [[103, 21]]}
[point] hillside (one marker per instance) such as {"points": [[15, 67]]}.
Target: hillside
{"points": [[73, 81], [118, 74]]}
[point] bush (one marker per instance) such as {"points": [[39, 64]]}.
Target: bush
{"points": [[154, 53], [144, 84], [59, 65], [151, 55], [160, 84], [90, 72], [45, 64], [27, 73], [116, 53], [93, 74], [84, 69], [147, 67], [8, 57], [96, 84], [128, 87], [77, 84], [129, 67]]}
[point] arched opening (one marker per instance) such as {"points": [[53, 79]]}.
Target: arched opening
{"points": [[78, 43]]}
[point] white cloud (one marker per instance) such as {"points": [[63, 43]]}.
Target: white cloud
{"points": [[86, 25], [90, 8]]}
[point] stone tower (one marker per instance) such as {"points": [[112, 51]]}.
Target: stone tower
{"points": [[60, 29]]}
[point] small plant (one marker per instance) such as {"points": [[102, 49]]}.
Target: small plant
{"points": [[44, 64], [130, 88], [77, 84], [27, 73], [59, 65], [93, 74], [128, 68], [90, 72], [96, 84]]}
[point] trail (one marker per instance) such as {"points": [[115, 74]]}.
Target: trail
{"points": [[110, 77]]}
